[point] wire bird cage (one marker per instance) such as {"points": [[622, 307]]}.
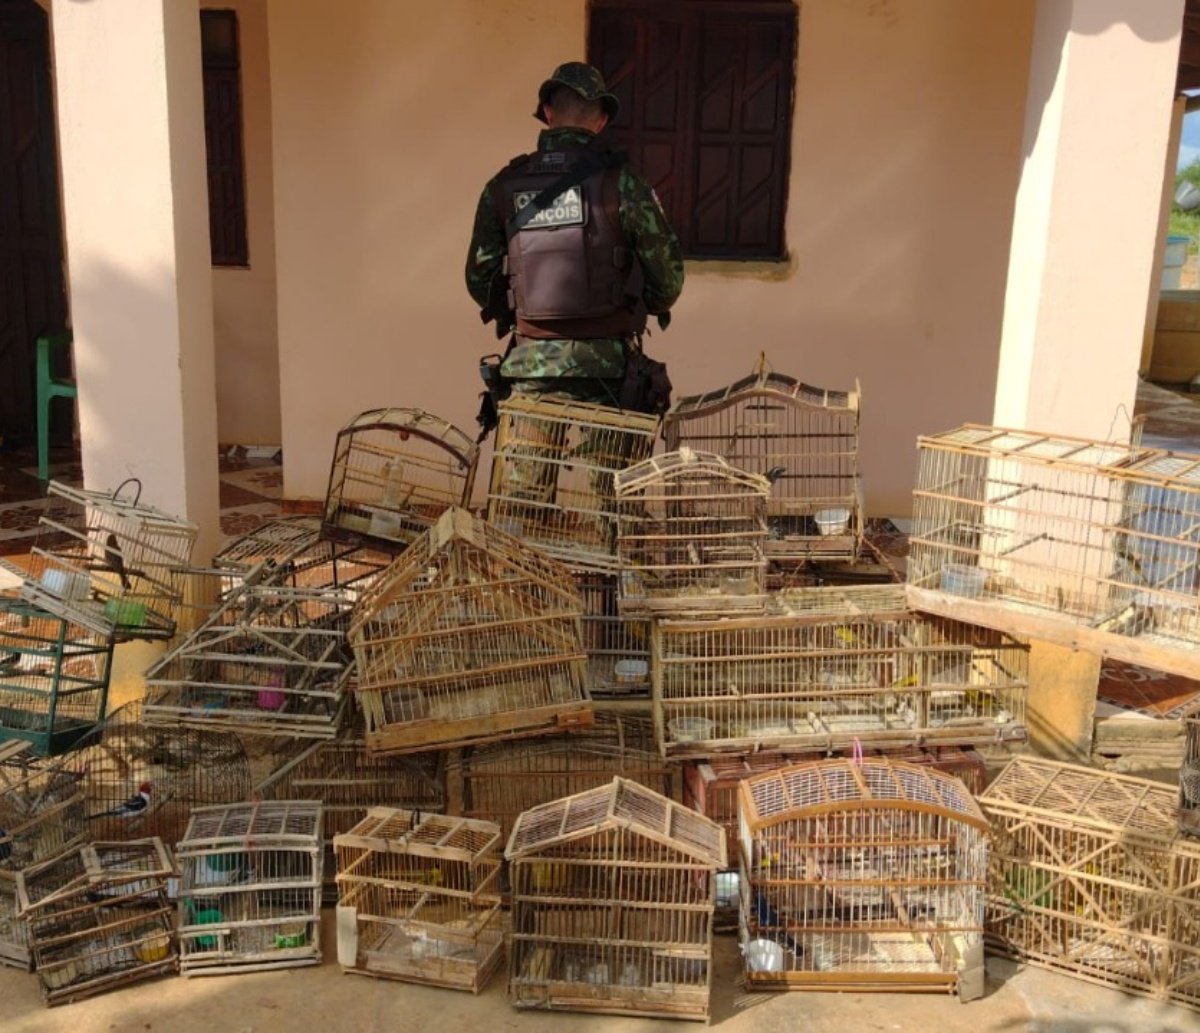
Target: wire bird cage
{"points": [[505, 779], [613, 891], [250, 887], [552, 475], [54, 676], [395, 471], [469, 637], [419, 898], [1189, 777], [176, 768], [109, 563], [829, 667], [617, 645], [270, 660], [690, 536], [862, 875], [99, 918], [1085, 543], [1090, 875], [804, 438]]}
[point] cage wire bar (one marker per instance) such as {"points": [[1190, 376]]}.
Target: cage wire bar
{"points": [[394, 472], [613, 891], [109, 562], [270, 660], [804, 439], [250, 887], [617, 645], [552, 475], [419, 898], [1091, 876], [865, 875], [99, 918], [831, 666], [469, 637], [1189, 776], [1085, 543], [690, 536]]}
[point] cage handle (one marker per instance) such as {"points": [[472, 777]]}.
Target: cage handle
{"points": [[128, 480]]}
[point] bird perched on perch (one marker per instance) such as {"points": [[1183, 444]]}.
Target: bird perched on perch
{"points": [[131, 808], [773, 474], [115, 559]]}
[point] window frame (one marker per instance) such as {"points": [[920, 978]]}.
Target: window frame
{"points": [[226, 207]]}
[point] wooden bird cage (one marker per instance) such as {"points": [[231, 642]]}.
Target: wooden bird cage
{"points": [[183, 768], [1090, 875], [250, 887], [419, 898], [503, 780], [54, 676], [829, 667], [613, 891], [1189, 777], [690, 536], [617, 645], [395, 471], [270, 660], [805, 438], [99, 918], [552, 475], [1084, 543], [862, 875], [468, 637], [109, 563]]}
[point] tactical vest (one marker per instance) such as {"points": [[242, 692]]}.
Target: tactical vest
{"points": [[571, 272]]}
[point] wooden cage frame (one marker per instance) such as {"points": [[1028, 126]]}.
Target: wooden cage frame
{"points": [[617, 645], [1189, 776]]}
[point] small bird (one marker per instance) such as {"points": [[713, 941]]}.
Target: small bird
{"points": [[116, 559], [773, 474], [132, 807], [771, 925], [9, 662]]}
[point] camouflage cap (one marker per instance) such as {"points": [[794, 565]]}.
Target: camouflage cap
{"points": [[584, 80]]}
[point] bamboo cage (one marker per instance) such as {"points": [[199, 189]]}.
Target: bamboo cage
{"points": [[613, 891], [1083, 543], [109, 562], [394, 472], [862, 875], [805, 438], [617, 646], [250, 887], [54, 676], [419, 898], [469, 637], [1189, 777], [501, 781], [180, 767], [552, 475], [829, 667], [1091, 876], [99, 918], [270, 660], [690, 536]]}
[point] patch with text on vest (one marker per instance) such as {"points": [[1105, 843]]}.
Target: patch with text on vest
{"points": [[564, 210]]}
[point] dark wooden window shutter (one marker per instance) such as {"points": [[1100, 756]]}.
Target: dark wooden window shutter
{"points": [[223, 137]]}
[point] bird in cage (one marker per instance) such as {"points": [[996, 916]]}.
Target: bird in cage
{"points": [[131, 808], [115, 560]]}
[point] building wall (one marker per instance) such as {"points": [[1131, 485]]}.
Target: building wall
{"points": [[388, 118]]}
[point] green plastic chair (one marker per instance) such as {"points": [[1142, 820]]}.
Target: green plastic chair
{"points": [[49, 387]]}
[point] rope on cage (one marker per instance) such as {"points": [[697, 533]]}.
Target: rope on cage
{"points": [[1134, 438], [856, 752]]}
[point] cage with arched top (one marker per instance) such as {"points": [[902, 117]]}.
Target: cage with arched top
{"points": [[804, 439], [613, 891], [690, 535], [862, 874], [394, 472], [250, 887], [419, 898]]}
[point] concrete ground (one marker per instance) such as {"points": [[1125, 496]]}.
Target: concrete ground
{"points": [[315, 1000]]}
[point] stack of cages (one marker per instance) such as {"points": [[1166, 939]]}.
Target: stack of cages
{"points": [[394, 472], [690, 536], [419, 898], [250, 887], [804, 439], [41, 816], [99, 918], [617, 645], [1091, 876], [271, 660], [1189, 777], [1084, 543], [613, 892], [862, 875], [552, 475], [469, 637], [829, 667]]}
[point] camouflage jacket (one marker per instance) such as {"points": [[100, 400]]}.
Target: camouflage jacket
{"points": [[650, 236]]}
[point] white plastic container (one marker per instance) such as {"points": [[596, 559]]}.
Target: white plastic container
{"points": [[961, 579], [631, 672], [763, 956], [1173, 261], [690, 729], [832, 521]]}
